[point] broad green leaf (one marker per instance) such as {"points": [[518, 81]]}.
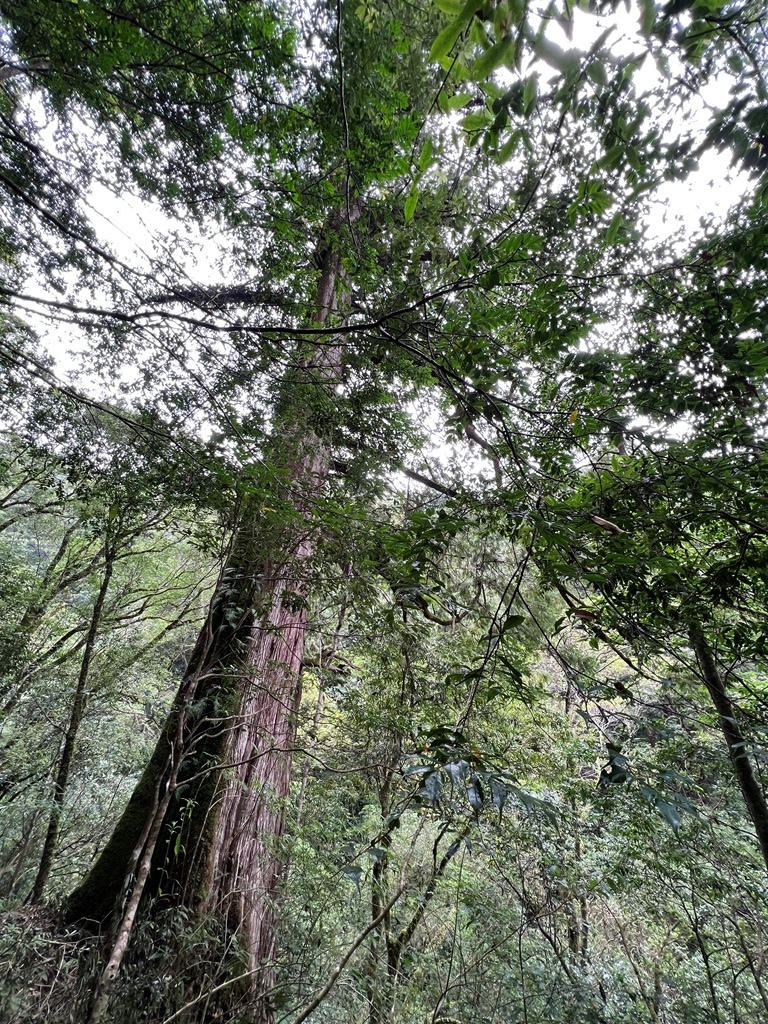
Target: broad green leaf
{"points": [[564, 61], [500, 17], [445, 40], [475, 795], [457, 67], [596, 71], [475, 122], [668, 811], [617, 222], [647, 16], [354, 873], [500, 53], [425, 158], [530, 93], [509, 147], [498, 794], [457, 771], [461, 99], [512, 622], [410, 203], [479, 35], [433, 787], [450, 7]]}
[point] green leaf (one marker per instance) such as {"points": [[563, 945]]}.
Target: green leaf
{"points": [[457, 771], [479, 35], [647, 16], [450, 7], [498, 54], [617, 223], [564, 61], [410, 203], [530, 93], [354, 873], [475, 795], [425, 158], [461, 99], [475, 122], [433, 787], [509, 147], [596, 71], [668, 811], [498, 794], [611, 158], [445, 40], [512, 622]]}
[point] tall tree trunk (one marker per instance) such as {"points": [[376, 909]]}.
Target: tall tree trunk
{"points": [[244, 863], [751, 791], [218, 850], [75, 720]]}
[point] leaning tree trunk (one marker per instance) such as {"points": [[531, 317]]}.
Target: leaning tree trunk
{"points": [[234, 717], [735, 740], [77, 712]]}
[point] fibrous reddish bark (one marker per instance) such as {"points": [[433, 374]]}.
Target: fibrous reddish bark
{"points": [[230, 735], [244, 866]]}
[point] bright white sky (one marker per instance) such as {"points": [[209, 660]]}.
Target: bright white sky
{"points": [[130, 225], [714, 188], [134, 228]]}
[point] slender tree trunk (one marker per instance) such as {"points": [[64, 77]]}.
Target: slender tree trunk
{"points": [[75, 720], [377, 979], [753, 795], [142, 865], [755, 969], [13, 690], [326, 660], [397, 944]]}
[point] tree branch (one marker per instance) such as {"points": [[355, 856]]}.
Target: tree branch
{"points": [[313, 1004]]}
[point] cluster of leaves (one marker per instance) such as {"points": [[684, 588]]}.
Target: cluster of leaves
{"points": [[475, 740]]}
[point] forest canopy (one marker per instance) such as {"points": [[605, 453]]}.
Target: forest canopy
{"points": [[383, 524]]}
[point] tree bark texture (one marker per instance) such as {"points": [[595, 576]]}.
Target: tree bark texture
{"points": [[244, 865], [218, 851]]}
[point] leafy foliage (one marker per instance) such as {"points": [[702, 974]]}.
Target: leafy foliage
{"points": [[402, 350]]}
